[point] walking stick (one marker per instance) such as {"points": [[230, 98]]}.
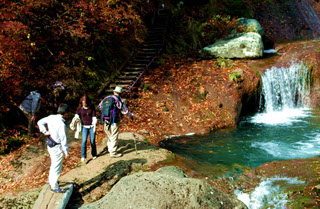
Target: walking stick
{"points": [[134, 136], [135, 143]]}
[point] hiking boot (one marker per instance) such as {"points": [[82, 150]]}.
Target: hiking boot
{"points": [[115, 155], [58, 190]]}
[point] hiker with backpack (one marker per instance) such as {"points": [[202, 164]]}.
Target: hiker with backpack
{"points": [[56, 143], [86, 115], [111, 109], [30, 106]]}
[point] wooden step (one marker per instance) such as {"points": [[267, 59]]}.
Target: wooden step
{"points": [[130, 69], [113, 85], [137, 65], [119, 82], [133, 73], [143, 56], [127, 77], [154, 45], [141, 60], [149, 50], [147, 54]]}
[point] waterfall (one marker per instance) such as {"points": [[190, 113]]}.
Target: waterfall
{"points": [[285, 92], [285, 88], [309, 16]]}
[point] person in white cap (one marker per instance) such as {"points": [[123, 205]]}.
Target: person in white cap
{"points": [[111, 124], [56, 144]]}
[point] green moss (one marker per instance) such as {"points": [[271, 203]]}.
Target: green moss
{"points": [[234, 76], [224, 63]]}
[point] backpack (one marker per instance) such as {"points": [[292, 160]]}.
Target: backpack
{"points": [[109, 110]]}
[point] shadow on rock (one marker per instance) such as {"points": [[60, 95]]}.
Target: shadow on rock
{"points": [[128, 146], [101, 184]]}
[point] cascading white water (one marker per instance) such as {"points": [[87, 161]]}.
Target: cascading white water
{"points": [[267, 194], [285, 92], [285, 88]]}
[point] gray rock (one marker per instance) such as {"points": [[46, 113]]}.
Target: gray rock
{"points": [[247, 45], [131, 136], [167, 187], [126, 136]]}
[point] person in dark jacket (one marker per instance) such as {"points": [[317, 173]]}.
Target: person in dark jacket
{"points": [[30, 106], [87, 115]]}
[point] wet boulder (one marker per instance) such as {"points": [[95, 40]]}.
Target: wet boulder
{"points": [[241, 45], [167, 187]]}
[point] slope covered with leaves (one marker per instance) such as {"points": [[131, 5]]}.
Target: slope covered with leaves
{"points": [[190, 95]]}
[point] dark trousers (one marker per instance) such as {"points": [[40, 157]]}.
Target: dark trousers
{"points": [[31, 123]]}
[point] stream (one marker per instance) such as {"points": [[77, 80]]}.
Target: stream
{"points": [[284, 128]]}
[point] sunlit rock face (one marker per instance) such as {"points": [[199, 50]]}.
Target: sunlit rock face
{"points": [[168, 187], [248, 45]]}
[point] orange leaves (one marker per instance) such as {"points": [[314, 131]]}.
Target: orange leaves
{"points": [[34, 175], [174, 109]]}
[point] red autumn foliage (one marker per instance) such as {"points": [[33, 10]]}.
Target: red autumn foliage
{"points": [[44, 41]]}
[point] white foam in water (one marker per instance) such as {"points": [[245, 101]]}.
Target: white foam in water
{"points": [[297, 150], [285, 117], [267, 194]]}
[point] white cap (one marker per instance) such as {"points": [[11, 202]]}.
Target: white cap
{"points": [[118, 89]]}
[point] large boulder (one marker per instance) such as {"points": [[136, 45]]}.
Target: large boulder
{"points": [[167, 187], [247, 45], [251, 25]]}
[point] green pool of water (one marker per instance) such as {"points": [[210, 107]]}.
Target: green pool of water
{"points": [[257, 139]]}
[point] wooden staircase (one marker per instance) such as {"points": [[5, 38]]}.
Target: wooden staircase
{"points": [[141, 61]]}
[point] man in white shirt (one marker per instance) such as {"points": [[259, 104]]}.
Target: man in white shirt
{"points": [[56, 131]]}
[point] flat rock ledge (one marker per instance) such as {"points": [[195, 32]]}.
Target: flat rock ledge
{"points": [[51, 200], [168, 187]]}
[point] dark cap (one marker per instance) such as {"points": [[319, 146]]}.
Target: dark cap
{"points": [[62, 109]]}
